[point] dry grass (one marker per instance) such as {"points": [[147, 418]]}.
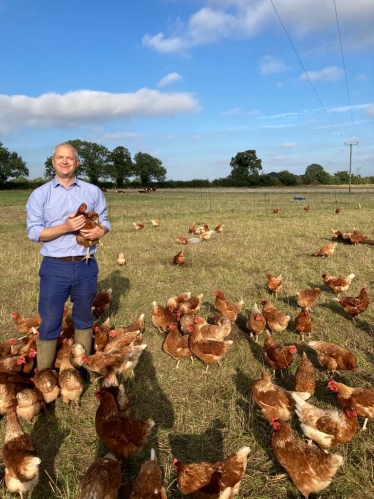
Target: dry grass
{"points": [[205, 416]]}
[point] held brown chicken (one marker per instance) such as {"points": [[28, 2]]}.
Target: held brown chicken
{"points": [[101, 302], [176, 345], [276, 320], [20, 457], [307, 297], [102, 479], [226, 307], [24, 324], [148, 483], [256, 322], [278, 356], [91, 221], [310, 469], [208, 351], [304, 323], [354, 306], [274, 283], [161, 317], [362, 399], [212, 480], [305, 377], [327, 427], [333, 357], [326, 251], [273, 400], [339, 284], [123, 435]]}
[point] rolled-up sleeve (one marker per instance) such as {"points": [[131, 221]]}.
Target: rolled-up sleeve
{"points": [[35, 219]]}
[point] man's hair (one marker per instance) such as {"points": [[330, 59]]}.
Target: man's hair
{"points": [[67, 144]]}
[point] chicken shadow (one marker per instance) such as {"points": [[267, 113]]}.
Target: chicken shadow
{"points": [[190, 448], [48, 437], [148, 401], [120, 286]]}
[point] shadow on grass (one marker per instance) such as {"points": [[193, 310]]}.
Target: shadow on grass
{"points": [[48, 435], [120, 286], [191, 448], [148, 401]]}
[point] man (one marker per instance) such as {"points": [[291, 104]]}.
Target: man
{"points": [[64, 271]]}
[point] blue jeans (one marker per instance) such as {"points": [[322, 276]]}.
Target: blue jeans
{"points": [[58, 281]]}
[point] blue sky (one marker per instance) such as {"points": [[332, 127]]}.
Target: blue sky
{"points": [[191, 82]]}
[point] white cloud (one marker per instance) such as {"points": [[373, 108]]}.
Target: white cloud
{"points": [[238, 111], [233, 19], [370, 111], [168, 79], [270, 65], [87, 106], [288, 144], [331, 73], [120, 136]]}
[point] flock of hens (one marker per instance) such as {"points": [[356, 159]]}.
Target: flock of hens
{"points": [[25, 392]]}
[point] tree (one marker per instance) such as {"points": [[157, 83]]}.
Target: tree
{"points": [[316, 174], [11, 165], [342, 177], [120, 167], [148, 168], [245, 168], [287, 178], [93, 160]]}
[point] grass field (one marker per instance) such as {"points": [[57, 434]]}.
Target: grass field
{"points": [[206, 416]]}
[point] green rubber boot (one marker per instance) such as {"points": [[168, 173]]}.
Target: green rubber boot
{"points": [[46, 353], [84, 337]]}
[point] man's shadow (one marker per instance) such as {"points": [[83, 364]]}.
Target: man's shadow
{"points": [[48, 437], [119, 285], [148, 401]]}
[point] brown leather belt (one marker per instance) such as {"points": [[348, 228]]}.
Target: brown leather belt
{"points": [[78, 258]]}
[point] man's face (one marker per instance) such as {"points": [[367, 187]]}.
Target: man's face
{"points": [[64, 162]]}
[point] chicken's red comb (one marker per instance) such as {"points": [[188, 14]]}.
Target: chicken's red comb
{"points": [[332, 385]]}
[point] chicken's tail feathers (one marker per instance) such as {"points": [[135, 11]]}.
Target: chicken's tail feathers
{"points": [[226, 493], [300, 401], [244, 451], [302, 395]]}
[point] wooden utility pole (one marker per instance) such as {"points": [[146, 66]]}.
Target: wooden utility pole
{"points": [[350, 164]]}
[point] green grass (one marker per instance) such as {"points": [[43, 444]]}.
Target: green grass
{"points": [[205, 416]]}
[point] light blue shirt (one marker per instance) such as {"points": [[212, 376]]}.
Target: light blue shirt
{"points": [[51, 204]]}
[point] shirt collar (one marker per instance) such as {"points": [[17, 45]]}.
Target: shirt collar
{"points": [[56, 183]]}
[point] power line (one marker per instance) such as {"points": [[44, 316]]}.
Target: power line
{"points": [[302, 65]]}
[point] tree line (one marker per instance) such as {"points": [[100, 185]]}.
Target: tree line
{"points": [[118, 170]]}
